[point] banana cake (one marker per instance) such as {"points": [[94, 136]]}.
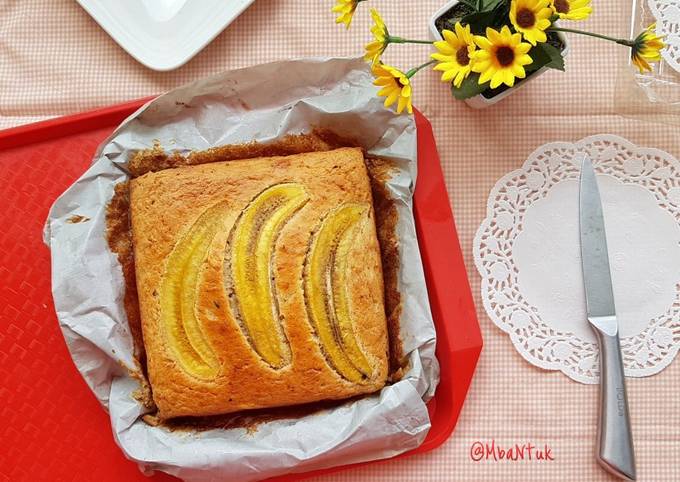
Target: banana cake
{"points": [[259, 282]]}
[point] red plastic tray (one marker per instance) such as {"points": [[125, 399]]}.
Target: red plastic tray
{"points": [[51, 426]]}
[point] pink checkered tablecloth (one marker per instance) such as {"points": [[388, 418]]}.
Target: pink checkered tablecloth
{"points": [[55, 60]]}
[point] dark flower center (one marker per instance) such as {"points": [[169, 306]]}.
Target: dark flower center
{"points": [[562, 6], [526, 18], [462, 56], [505, 56]]}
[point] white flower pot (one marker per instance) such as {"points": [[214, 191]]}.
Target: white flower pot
{"points": [[479, 101]]}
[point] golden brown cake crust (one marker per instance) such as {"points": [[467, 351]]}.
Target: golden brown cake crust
{"points": [[167, 205]]}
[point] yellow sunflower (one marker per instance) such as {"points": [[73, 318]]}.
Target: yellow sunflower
{"points": [[646, 48], [345, 10], [454, 54], [501, 57], [375, 48], [572, 9], [531, 18], [396, 86]]}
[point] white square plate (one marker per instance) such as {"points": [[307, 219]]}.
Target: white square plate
{"points": [[164, 34]]}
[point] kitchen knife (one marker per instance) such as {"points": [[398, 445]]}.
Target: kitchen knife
{"points": [[615, 441]]}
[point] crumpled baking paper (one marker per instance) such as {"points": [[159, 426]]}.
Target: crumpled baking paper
{"points": [[261, 103]]}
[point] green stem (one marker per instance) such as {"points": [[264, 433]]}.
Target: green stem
{"points": [[620, 41], [398, 40], [415, 70]]}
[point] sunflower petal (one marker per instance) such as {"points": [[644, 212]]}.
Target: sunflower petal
{"points": [[483, 42], [524, 60], [451, 39], [523, 48], [401, 104], [446, 66], [486, 75], [518, 71], [444, 48], [392, 98], [481, 65], [493, 36], [449, 75], [481, 55], [496, 79], [441, 57], [508, 78], [386, 91]]}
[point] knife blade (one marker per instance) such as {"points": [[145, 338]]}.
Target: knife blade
{"points": [[615, 442]]}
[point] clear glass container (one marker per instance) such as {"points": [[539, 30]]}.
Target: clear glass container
{"points": [[653, 96]]}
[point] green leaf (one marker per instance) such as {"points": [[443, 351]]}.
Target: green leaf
{"points": [[469, 88], [473, 9], [545, 55], [479, 21], [487, 5], [494, 15]]}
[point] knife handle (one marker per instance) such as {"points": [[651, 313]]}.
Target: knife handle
{"points": [[615, 439]]}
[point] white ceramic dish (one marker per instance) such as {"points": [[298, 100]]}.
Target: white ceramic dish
{"points": [[163, 34], [479, 101]]}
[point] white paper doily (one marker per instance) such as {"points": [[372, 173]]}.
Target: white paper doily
{"points": [[667, 14], [528, 254]]}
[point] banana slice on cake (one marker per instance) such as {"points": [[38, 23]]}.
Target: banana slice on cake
{"points": [[326, 285], [179, 291], [249, 269]]}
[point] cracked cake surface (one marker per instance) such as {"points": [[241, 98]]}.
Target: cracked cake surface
{"points": [[259, 283]]}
